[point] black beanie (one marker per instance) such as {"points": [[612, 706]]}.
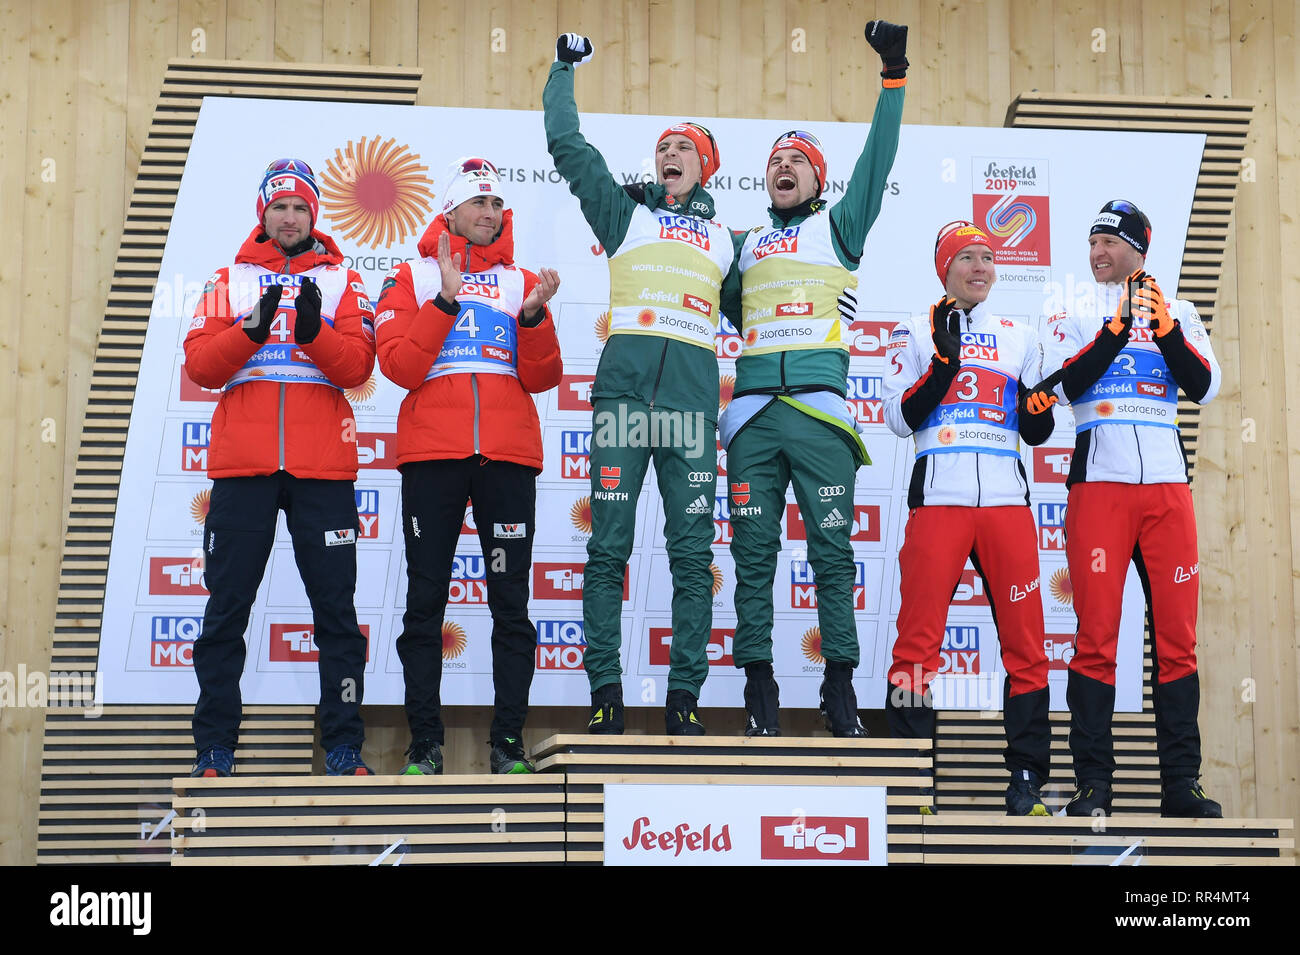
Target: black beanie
{"points": [[1120, 217]]}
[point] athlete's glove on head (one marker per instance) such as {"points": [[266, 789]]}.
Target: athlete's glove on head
{"points": [[257, 323], [945, 329], [573, 48], [890, 41], [307, 325]]}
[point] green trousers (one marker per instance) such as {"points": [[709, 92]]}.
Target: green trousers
{"points": [[779, 446], [626, 435]]}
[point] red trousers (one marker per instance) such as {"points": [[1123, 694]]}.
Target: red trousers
{"points": [[1106, 526], [1003, 544]]}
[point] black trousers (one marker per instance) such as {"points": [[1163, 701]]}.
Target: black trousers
{"points": [[237, 539], [434, 495]]}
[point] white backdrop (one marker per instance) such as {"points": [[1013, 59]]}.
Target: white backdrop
{"points": [[1041, 188]]}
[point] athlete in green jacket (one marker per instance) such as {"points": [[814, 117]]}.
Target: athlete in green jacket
{"points": [[656, 389], [789, 421]]}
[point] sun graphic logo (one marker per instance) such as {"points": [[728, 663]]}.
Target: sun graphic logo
{"points": [[645, 318], [726, 388], [199, 506], [376, 192], [453, 640], [947, 434], [1105, 409], [580, 514], [751, 336], [717, 578], [811, 644], [602, 327], [1062, 588], [362, 393]]}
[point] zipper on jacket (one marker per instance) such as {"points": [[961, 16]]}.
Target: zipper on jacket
{"points": [[473, 385], [281, 426], [663, 356]]}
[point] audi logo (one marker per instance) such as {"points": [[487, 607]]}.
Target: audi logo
{"points": [[700, 477], [831, 491]]}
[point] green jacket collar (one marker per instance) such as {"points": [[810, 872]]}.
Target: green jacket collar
{"points": [[697, 203], [781, 218]]}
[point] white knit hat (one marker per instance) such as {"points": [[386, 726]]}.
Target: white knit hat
{"points": [[470, 177]]}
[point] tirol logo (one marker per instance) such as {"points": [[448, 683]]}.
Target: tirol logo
{"points": [[794, 309], [697, 304], [1061, 587], [676, 839], [296, 643], [375, 193], [177, 575], [468, 580], [1010, 200], [869, 338], [1152, 389], [454, 640], [580, 514], [575, 454], [718, 648], [1051, 525], [864, 398], [368, 512], [865, 525], [199, 506], [574, 393], [556, 581], [363, 392], [1052, 465], [969, 591], [811, 644], [171, 640], [609, 477], [685, 229], [189, 391], [777, 241], [803, 586], [194, 445], [561, 644], [960, 651], [814, 837], [377, 450]]}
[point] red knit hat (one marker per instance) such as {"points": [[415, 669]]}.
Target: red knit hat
{"points": [[288, 177], [705, 145], [954, 237], [810, 146]]}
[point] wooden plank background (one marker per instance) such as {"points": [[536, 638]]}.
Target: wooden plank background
{"points": [[80, 81]]}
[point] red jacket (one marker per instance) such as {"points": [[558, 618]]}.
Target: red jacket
{"points": [[261, 427], [459, 415]]}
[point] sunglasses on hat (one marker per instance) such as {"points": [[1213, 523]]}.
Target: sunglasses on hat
{"points": [[475, 164], [800, 134], [289, 165]]}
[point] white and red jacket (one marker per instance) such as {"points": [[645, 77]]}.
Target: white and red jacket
{"points": [[282, 407], [968, 440], [1126, 425]]}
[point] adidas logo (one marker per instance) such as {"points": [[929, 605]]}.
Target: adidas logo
{"points": [[701, 505], [833, 519]]}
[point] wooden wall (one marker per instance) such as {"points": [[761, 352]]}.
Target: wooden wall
{"points": [[78, 82]]}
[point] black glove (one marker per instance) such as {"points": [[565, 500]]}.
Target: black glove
{"points": [[890, 41], [945, 329], [573, 48], [307, 325], [257, 323]]}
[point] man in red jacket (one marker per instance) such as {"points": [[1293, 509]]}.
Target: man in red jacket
{"points": [[469, 336], [282, 332]]}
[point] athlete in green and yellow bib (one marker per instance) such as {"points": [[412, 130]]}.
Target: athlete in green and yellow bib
{"points": [[789, 421], [656, 390]]}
